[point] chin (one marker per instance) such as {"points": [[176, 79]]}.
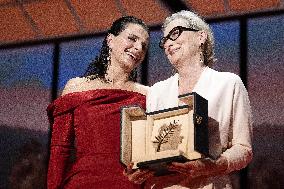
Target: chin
{"points": [[128, 67], [173, 61]]}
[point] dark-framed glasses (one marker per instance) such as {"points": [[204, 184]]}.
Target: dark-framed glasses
{"points": [[174, 34]]}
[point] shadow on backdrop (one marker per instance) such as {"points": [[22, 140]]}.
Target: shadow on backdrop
{"points": [[23, 158], [266, 171]]}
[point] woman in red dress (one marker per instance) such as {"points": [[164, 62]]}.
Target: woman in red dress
{"points": [[86, 118]]}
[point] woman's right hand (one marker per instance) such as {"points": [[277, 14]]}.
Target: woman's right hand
{"points": [[137, 176]]}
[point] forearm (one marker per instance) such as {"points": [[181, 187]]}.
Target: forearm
{"points": [[239, 150], [56, 168], [60, 150], [238, 157], [217, 167]]}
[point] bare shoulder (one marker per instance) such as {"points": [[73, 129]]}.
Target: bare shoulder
{"points": [[143, 89], [73, 85], [79, 84]]}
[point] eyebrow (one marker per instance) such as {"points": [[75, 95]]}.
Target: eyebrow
{"points": [[133, 35]]}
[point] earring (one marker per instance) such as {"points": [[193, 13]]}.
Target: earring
{"points": [[201, 60], [108, 62], [108, 56]]}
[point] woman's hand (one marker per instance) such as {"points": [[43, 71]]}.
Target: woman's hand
{"points": [[201, 167], [137, 176]]}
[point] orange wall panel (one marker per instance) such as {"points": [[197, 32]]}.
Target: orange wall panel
{"points": [[5, 1], [207, 7], [52, 17], [14, 26], [97, 15], [251, 5], [149, 11]]}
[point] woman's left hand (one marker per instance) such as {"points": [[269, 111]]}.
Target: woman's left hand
{"points": [[201, 167], [137, 176]]}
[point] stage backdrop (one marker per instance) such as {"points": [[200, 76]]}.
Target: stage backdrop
{"points": [[26, 77]]}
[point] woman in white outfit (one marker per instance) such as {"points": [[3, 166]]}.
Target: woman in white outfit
{"points": [[188, 43]]}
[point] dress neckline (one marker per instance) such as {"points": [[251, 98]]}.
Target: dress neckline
{"points": [[99, 90], [71, 100]]}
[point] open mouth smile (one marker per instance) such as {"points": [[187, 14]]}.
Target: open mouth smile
{"points": [[132, 55]]}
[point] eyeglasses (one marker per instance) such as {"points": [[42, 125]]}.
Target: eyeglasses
{"points": [[174, 34]]}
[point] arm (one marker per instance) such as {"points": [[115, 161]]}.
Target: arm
{"points": [[62, 136], [239, 152], [60, 149]]}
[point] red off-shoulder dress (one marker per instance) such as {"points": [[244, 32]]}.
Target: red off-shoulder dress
{"points": [[88, 122]]}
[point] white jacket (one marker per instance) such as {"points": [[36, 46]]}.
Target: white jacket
{"points": [[228, 104]]}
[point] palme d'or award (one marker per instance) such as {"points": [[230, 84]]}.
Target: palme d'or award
{"points": [[151, 140]]}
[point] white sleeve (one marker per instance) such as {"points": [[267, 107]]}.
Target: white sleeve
{"points": [[240, 152]]}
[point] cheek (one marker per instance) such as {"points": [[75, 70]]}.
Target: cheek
{"points": [[122, 44], [188, 46], [126, 43], [167, 53], [143, 54]]}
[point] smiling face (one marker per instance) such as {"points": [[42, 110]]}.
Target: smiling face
{"points": [[188, 43], [128, 49]]}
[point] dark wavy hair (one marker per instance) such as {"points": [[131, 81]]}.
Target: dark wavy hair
{"points": [[98, 67]]}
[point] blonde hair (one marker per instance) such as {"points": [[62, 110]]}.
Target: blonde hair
{"points": [[196, 22]]}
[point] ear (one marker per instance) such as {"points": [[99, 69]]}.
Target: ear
{"points": [[202, 36], [110, 40]]}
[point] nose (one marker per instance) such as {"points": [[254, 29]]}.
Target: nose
{"points": [[138, 45], [168, 44]]}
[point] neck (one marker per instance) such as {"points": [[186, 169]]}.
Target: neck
{"points": [[117, 75], [189, 74], [191, 69]]}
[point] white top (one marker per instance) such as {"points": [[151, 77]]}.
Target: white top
{"points": [[228, 104]]}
